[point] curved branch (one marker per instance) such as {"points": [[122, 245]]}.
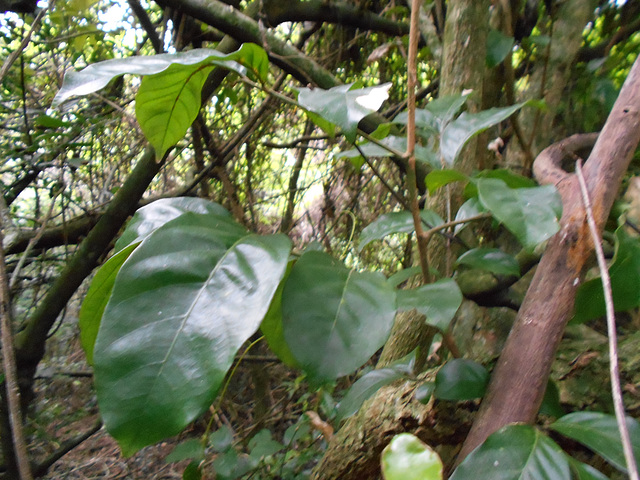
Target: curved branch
{"points": [[548, 167], [331, 12], [245, 29]]}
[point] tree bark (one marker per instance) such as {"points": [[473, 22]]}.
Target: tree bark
{"points": [[550, 78], [463, 66], [519, 379]]}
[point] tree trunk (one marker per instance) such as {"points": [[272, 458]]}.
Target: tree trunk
{"points": [[550, 79]]}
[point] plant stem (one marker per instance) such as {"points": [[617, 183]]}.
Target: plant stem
{"points": [[412, 186]]}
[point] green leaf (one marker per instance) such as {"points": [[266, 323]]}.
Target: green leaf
{"points": [[625, 282], [515, 452], [98, 75], [96, 299], [513, 180], [47, 121], [168, 102], [439, 301], [221, 440], [262, 445], [187, 298], [461, 379], [551, 401], [334, 318], [425, 119], [403, 275], [498, 47], [408, 458], [395, 222], [492, 260], [424, 391], [191, 449], [469, 209], [585, 472], [192, 472], [271, 326], [232, 466], [445, 108], [439, 178], [150, 217], [457, 133], [344, 105], [531, 214], [599, 432], [366, 386]]}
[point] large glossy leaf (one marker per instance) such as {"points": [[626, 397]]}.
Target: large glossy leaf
{"points": [[98, 75], [625, 282], [599, 432], [168, 102], [457, 133], [169, 96], [461, 379], [156, 214], [184, 302], [334, 318], [492, 260], [531, 214], [97, 297], [395, 222], [370, 383], [439, 301], [271, 326], [408, 458], [585, 472], [515, 452], [344, 105]]}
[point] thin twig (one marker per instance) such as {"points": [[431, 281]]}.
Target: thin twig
{"points": [[375, 171], [65, 448], [412, 186], [10, 369], [453, 223], [31, 244], [18, 51], [616, 390]]}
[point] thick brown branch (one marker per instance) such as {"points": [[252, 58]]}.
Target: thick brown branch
{"points": [[331, 12]]}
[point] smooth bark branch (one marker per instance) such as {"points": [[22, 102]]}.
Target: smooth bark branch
{"points": [[520, 377], [331, 12]]}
